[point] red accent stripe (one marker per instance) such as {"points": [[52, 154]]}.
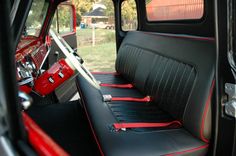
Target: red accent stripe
{"points": [[40, 141], [117, 85], [90, 124], [131, 99], [119, 126], [187, 151], [182, 36], [67, 34], [205, 113], [105, 73], [74, 17]]}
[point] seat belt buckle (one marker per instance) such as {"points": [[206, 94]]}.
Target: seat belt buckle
{"points": [[107, 98]]}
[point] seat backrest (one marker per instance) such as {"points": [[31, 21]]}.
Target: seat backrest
{"points": [[176, 71]]}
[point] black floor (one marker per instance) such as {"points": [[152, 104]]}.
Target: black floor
{"points": [[67, 125]]}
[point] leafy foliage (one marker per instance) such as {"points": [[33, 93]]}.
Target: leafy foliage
{"points": [[36, 17], [83, 6], [110, 7], [128, 8], [129, 11]]}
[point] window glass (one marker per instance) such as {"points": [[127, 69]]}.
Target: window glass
{"points": [[96, 35], [129, 15], [65, 19], [62, 21], [54, 25], [36, 17], [163, 10]]}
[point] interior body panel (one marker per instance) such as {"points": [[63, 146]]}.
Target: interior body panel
{"points": [[170, 91]]}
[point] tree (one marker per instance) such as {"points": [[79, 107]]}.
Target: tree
{"points": [[129, 12], [109, 7], [128, 8], [82, 7]]}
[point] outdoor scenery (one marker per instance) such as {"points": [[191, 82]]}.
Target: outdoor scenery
{"points": [[96, 31]]}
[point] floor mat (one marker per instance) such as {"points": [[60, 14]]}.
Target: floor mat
{"points": [[67, 125]]}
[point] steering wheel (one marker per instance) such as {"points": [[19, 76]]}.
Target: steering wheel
{"points": [[72, 60]]}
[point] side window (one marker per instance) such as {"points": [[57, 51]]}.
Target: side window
{"points": [[96, 35], [129, 15], [63, 19], [165, 10]]}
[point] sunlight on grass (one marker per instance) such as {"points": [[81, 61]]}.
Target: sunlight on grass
{"points": [[100, 57]]}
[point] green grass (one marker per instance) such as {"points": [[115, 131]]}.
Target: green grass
{"points": [[84, 36], [100, 57], [88, 32]]}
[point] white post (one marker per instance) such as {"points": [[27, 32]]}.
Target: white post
{"points": [[93, 36]]}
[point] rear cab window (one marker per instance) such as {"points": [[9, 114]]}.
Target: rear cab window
{"points": [[171, 10]]}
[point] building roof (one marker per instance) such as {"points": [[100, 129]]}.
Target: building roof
{"points": [[97, 12]]}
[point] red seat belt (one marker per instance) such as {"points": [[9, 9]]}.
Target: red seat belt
{"points": [[109, 98], [116, 85], [124, 126]]}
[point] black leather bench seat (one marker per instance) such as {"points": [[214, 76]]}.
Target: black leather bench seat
{"points": [[133, 142], [111, 78], [178, 74]]}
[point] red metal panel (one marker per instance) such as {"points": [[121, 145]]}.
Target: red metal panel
{"points": [[25, 89], [52, 78], [40, 141]]}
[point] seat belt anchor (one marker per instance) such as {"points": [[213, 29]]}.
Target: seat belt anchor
{"points": [[230, 105], [107, 98]]}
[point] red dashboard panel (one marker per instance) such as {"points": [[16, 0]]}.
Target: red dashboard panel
{"points": [[34, 48], [39, 55], [30, 55], [52, 78]]}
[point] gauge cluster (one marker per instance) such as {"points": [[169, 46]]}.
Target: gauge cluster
{"points": [[30, 57]]}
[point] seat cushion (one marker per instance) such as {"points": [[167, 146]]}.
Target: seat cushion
{"points": [[133, 142], [177, 73], [110, 78]]}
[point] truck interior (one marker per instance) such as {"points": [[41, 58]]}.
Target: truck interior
{"points": [[170, 93]]}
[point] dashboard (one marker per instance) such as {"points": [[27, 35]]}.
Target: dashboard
{"points": [[30, 56]]}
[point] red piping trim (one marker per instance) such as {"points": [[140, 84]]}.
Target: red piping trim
{"points": [[187, 151], [74, 17], [116, 85], [33, 43], [130, 99], [90, 124], [105, 73], [40, 141], [46, 21], [68, 34], [119, 126], [205, 113], [183, 36]]}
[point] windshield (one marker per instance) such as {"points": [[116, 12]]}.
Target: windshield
{"points": [[36, 18]]}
